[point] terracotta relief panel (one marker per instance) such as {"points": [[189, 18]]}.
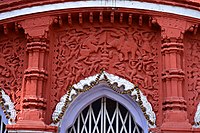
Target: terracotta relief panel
{"points": [[192, 58], [131, 53], [12, 57]]}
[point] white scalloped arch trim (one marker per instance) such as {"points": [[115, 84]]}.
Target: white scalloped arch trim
{"points": [[113, 79], [10, 107]]}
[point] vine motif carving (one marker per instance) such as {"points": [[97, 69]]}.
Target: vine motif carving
{"points": [[193, 71], [12, 53], [130, 53]]}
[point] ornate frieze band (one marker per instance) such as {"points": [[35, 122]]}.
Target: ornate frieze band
{"points": [[114, 83]]}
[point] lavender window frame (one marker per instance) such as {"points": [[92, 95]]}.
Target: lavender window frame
{"points": [[99, 91], [3, 117]]}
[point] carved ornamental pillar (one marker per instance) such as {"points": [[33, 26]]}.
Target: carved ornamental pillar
{"points": [[35, 78], [34, 97], [173, 75]]}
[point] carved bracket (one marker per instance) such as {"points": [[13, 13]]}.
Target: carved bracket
{"points": [[172, 29], [37, 27]]}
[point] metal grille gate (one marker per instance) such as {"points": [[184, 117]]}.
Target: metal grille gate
{"points": [[105, 116]]}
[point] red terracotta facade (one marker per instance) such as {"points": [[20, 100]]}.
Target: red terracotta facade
{"points": [[42, 54]]}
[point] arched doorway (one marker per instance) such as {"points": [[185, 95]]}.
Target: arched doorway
{"points": [[102, 110], [105, 116]]}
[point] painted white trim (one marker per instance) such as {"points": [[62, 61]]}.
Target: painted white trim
{"points": [[103, 3], [10, 105], [113, 79]]}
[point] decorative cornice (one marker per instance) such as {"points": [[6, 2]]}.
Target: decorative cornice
{"points": [[7, 107], [109, 17], [18, 4], [114, 83], [23, 7]]}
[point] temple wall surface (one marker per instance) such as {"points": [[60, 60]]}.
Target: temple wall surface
{"points": [[43, 54]]}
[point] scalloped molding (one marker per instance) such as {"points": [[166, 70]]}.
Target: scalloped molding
{"points": [[113, 79], [10, 108]]}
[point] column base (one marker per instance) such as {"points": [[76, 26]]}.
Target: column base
{"points": [[27, 126], [175, 121], [178, 130], [176, 125], [193, 130]]}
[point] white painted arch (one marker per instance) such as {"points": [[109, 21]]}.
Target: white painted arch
{"points": [[99, 91], [103, 3], [113, 79]]}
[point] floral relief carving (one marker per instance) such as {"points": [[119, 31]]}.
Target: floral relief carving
{"points": [[130, 53], [193, 71], [12, 53]]}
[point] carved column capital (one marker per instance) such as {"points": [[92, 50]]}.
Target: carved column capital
{"points": [[36, 28], [172, 29]]}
